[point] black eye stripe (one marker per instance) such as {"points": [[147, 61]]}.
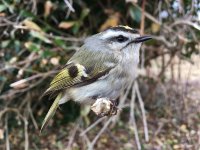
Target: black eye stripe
{"points": [[119, 39]]}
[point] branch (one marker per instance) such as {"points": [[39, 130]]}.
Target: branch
{"points": [[132, 118], [143, 111], [99, 134], [69, 5]]}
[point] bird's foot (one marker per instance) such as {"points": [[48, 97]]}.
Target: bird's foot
{"points": [[113, 108], [105, 107]]}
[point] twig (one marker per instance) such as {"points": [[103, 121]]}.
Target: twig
{"points": [[122, 101], [26, 146], [72, 137], [86, 138], [142, 18], [10, 66], [69, 39], [143, 111], [12, 92], [150, 17], [69, 5], [186, 22], [32, 117], [92, 126], [132, 118], [22, 81], [34, 6], [7, 135], [163, 40], [99, 134]]}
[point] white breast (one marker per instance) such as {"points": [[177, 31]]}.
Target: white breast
{"points": [[110, 85]]}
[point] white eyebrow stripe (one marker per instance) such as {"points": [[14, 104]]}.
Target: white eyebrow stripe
{"points": [[111, 33]]}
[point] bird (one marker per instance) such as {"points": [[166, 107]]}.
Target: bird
{"points": [[102, 67]]}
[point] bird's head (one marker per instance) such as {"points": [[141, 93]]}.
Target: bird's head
{"points": [[117, 38]]}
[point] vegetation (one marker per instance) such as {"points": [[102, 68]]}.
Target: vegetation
{"points": [[38, 37]]}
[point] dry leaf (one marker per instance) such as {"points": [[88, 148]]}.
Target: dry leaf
{"points": [[2, 14], [113, 20], [13, 60], [19, 84], [47, 8], [66, 25], [183, 128], [44, 61], [1, 134], [155, 27], [133, 1], [31, 25], [55, 61], [28, 44]]}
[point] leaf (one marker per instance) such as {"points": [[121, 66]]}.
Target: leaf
{"points": [[1, 134], [84, 13], [133, 1], [155, 27], [19, 84], [66, 24], [32, 25], [5, 43], [24, 13], [59, 42], [113, 20], [8, 6], [47, 53], [17, 44], [135, 13], [76, 27], [47, 8], [2, 8], [40, 36], [2, 14], [32, 46], [55, 61], [85, 110], [13, 60]]}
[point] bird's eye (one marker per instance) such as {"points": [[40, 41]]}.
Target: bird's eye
{"points": [[121, 38]]}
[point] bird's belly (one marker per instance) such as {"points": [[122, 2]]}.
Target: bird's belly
{"points": [[109, 88]]}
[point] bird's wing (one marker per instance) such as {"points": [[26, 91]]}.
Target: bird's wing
{"points": [[83, 68]]}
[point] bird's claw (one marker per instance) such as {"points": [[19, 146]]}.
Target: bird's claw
{"points": [[113, 109]]}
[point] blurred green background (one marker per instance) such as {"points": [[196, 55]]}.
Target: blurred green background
{"points": [[38, 37]]}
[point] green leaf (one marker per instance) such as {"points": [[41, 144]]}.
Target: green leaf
{"points": [[26, 14], [5, 43], [85, 110], [76, 27], [135, 13], [47, 53], [59, 42], [32, 47], [2, 8], [84, 13], [17, 45], [40, 36]]}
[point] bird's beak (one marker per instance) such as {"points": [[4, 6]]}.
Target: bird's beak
{"points": [[142, 39]]}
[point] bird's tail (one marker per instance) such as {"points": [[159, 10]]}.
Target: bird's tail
{"points": [[51, 111]]}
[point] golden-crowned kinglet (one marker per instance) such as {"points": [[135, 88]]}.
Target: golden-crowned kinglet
{"points": [[102, 67]]}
